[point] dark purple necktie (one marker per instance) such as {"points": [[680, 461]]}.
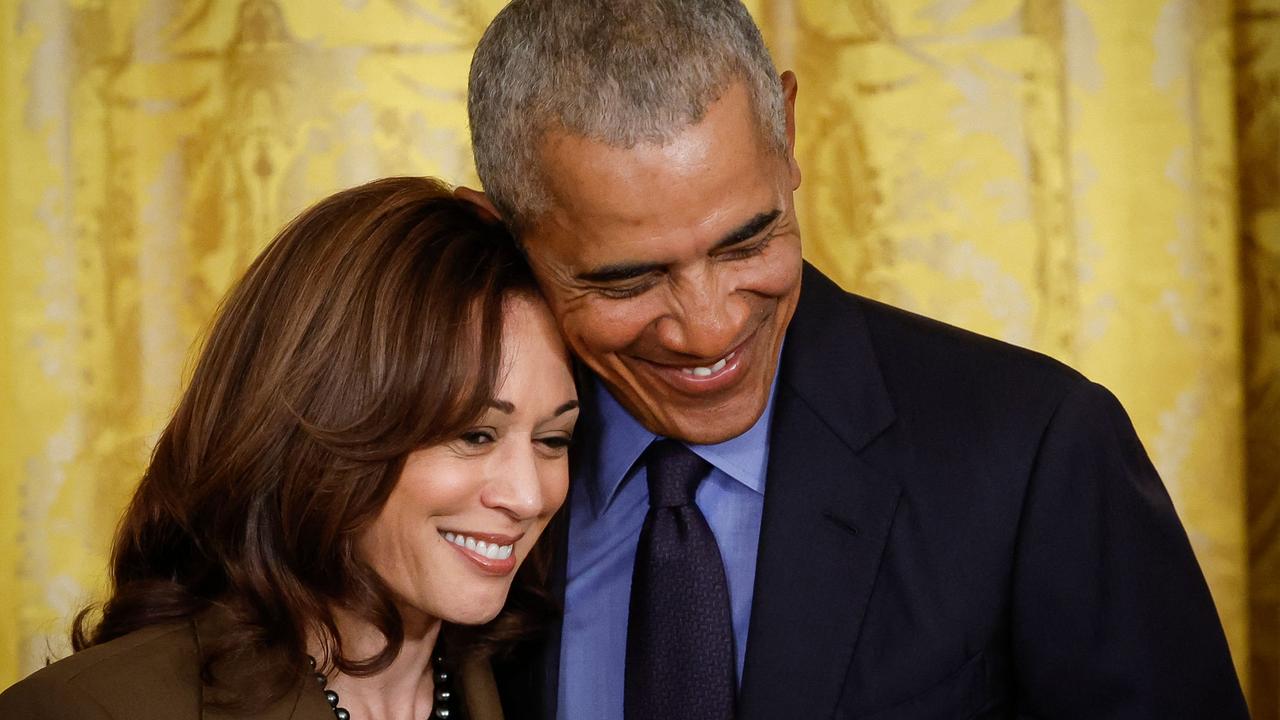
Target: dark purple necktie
{"points": [[680, 659]]}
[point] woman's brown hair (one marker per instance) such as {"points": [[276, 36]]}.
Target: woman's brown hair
{"points": [[369, 327]]}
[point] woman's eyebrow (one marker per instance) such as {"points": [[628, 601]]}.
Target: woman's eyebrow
{"points": [[572, 404], [508, 407]]}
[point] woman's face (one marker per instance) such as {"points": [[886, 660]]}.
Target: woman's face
{"points": [[464, 514]]}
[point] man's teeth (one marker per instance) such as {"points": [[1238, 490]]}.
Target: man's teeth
{"points": [[708, 370], [493, 551]]}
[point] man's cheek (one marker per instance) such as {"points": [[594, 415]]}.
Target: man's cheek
{"points": [[591, 336], [608, 329], [779, 282], [604, 339]]}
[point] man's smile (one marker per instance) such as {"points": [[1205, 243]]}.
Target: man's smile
{"points": [[701, 380]]}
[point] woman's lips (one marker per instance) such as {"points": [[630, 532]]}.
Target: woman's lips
{"points": [[491, 554]]}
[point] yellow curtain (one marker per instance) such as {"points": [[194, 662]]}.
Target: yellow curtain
{"points": [[1258, 123], [1099, 180]]}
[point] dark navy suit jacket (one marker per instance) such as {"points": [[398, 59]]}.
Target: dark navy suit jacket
{"points": [[955, 528]]}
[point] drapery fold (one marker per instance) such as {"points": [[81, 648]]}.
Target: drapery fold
{"points": [[1093, 179]]}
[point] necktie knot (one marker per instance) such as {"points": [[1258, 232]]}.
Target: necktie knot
{"points": [[674, 472]]}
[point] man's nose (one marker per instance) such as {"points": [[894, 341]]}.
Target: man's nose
{"points": [[705, 318]]}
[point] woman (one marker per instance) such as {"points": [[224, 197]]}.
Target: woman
{"points": [[372, 442]]}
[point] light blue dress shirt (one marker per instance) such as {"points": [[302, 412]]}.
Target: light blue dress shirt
{"points": [[607, 506]]}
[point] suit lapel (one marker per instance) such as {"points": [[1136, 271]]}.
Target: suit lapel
{"points": [[827, 513]]}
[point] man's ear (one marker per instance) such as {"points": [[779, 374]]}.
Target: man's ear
{"points": [[790, 86], [478, 198]]}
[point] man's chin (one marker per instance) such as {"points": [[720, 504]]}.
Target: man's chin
{"points": [[705, 428], [698, 437]]}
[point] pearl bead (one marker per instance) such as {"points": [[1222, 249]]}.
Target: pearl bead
{"points": [[440, 709]]}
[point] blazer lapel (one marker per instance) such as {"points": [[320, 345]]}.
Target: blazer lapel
{"points": [[306, 703], [827, 513]]}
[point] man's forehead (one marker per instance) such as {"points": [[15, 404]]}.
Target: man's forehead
{"points": [[610, 213], [726, 139], [584, 175], [604, 253]]}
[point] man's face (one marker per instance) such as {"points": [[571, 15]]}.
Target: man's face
{"points": [[673, 270]]}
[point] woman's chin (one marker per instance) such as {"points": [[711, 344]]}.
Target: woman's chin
{"points": [[473, 615], [462, 608]]}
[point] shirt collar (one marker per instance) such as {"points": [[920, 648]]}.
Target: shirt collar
{"points": [[622, 440]]}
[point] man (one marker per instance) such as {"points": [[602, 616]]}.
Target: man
{"points": [[867, 513]]}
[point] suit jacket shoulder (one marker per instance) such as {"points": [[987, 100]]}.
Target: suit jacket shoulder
{"points": [[929, 366], [148, 674], [915, 385]]}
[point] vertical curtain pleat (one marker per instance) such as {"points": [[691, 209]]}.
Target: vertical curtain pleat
{"points": [[1258, 138]]}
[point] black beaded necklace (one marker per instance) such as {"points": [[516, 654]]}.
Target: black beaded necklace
{"points": [[439, 706]]}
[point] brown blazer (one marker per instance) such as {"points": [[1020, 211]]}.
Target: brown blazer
{"points": [[153, 674]]}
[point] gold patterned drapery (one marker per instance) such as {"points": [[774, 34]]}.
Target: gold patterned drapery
{"points": [[1099, 180]]}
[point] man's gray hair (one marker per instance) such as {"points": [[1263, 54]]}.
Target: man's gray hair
{"points": [[622, 72]]}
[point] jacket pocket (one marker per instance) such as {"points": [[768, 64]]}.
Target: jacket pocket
{"points": [[972, 691]]}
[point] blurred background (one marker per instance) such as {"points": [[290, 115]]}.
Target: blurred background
{"points": [[1095, 179]]}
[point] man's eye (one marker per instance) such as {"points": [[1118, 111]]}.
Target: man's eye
{"points": [[750, 251], [622, 293]]}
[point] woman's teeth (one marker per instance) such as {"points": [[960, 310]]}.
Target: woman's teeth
{"points": [[709, 370], [493, 551]]}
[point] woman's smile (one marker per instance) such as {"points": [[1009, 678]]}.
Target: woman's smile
{"points": [[492, 554]]}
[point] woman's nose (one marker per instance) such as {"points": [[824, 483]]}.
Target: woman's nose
{"points": [[515, 486]]}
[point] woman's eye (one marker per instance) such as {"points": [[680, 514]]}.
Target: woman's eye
{"points": [[556, 442], [477, 437]]}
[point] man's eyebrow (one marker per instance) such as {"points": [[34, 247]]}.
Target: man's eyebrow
{"points": [[627, 271], [620, 271], [749, 229]]}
